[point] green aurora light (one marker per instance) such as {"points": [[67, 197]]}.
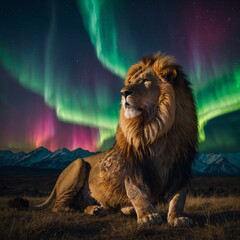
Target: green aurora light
{"points": [[219, 97], [99, 20]]}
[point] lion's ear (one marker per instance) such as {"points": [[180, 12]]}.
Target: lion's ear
{"points": [[168, 73]]}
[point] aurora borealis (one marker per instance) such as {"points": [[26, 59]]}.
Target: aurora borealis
{"points": [[62, 65]]}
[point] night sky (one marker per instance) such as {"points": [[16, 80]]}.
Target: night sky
{"points": [[63, 62]]}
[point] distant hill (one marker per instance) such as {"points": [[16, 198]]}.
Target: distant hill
{"points": [[209, 164]]}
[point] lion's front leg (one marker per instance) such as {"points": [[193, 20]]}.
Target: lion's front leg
{"points": [[175, 211], [140, 199]]}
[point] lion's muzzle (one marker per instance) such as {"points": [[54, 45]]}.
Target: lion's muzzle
{"points": [[126, 92]]}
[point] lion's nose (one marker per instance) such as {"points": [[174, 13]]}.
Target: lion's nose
{"points": [[125, 93]]}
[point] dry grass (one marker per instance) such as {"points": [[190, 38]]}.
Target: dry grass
{"points": [[215, 209], [215, 218]]}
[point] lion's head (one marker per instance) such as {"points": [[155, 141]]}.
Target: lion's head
{"points": [[144, 86], [157, 104]]}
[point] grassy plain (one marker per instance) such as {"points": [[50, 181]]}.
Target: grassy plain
{"points": [[213, 204]]}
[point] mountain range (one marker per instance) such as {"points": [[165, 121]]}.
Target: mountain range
{"points": [[210, 164], [42, 158]]}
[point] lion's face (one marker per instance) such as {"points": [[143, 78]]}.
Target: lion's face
{"points": [[140, 94], [145, 83]]}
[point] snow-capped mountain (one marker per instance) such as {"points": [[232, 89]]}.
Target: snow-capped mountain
{"points": [[205, 164], [7, 157], [35, 156], [42, 158], [217, 164], [62, 158]]}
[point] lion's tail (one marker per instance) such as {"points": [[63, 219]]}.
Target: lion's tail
{"points": [[48, 201], [23, 204]]}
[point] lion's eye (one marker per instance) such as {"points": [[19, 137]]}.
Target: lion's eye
{"points": [[147, 82], [143, 80]]}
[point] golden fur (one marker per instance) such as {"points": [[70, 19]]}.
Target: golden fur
{"points": [[155, 146]]}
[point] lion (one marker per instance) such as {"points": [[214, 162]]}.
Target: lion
{"points": [[151, 160]]}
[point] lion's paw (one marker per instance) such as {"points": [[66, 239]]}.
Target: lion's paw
{"points": [[128, 210], [150, 218], [92, 210], [69, 210], [182, 222]]}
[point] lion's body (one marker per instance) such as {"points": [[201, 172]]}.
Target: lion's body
{"points": [[155, 146]]}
